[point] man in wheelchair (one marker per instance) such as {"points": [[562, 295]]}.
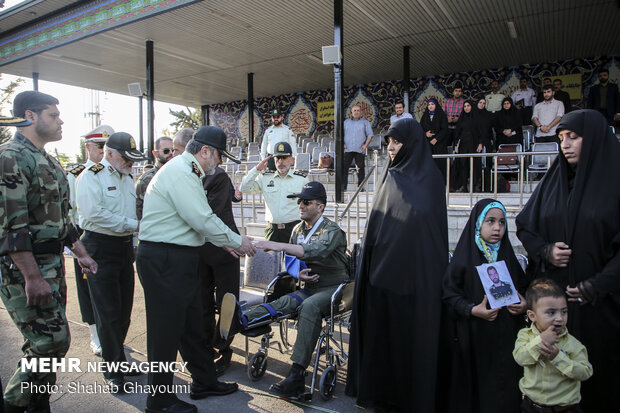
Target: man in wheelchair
{"points": [[320, 245]]}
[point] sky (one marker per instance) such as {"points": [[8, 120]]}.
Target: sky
{"points": [[119, 111]]}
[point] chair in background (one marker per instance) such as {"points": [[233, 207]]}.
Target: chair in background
{"points": [[302, 161], [508, 164], [316, 155], [540, 163]]}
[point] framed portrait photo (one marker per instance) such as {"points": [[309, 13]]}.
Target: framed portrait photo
{"points": [[498, 285]]}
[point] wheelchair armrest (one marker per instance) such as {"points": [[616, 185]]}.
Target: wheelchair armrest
{"points": [[272, 283], [337, 296]]}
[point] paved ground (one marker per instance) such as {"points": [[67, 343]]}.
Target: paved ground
{"points": [[252, 397]]}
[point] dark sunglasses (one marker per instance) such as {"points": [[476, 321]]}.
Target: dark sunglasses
{"points": [[306, 202], [166, 151]]}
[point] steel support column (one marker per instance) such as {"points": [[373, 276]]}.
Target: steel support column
{"points": [[250, 107], [150, 98], [204, 109], [35, 81], [141, 121], [341, 174]]}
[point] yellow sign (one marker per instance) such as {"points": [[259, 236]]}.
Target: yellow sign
{"points": [[571, 84], [325, 111]]}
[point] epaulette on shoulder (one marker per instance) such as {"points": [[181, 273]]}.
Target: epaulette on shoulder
{"points": [[196, 170], [300, 173], [77, 170], [96, 168]]}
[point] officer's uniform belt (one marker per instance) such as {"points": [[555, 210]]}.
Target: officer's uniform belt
{"points": [[282, 226], [105, 237], [168, 245]]}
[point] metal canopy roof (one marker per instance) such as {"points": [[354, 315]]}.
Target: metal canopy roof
{"points": [[204, 50]]}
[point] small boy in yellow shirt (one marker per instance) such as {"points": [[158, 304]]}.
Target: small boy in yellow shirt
{"points": [[554, 362]]}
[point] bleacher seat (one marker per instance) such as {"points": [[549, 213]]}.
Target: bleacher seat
{"points": [[302, 161]]}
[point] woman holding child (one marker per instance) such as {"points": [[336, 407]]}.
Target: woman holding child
{"points": [[571, 230]]}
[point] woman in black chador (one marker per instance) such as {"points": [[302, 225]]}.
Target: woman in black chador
{"points": [[509, 127], [435, 124], [570, 228], [485, 375], [396, 315], [467, 141]]}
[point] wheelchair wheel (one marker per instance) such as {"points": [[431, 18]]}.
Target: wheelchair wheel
{"points": [[257, 366], [327, 385]]}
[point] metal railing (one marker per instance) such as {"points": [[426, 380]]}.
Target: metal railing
{"points": [[355, 212], [346, 213], [520, 169]]}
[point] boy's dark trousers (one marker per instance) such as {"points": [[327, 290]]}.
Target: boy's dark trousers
{"points": [[528, 406]]}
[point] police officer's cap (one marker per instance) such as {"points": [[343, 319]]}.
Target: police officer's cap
{"points": [[14, 121], [311, 190], [126, 146], [276, 112], [215, 137], [282, 149], [100, 134]]}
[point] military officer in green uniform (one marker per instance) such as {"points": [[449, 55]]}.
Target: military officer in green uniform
{"points": [[94, 141], [34, 206], [321, 244], [162, 153], [176, 222], [280, 212]]}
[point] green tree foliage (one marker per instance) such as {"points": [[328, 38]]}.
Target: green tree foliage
{"points": [[190, 119], [6, 94]]}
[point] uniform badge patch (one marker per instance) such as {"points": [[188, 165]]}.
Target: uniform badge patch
{"points": [[271, 183], [96, 168], [196, 170]]}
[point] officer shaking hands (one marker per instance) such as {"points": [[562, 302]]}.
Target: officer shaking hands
{"points": [[176, 221]]}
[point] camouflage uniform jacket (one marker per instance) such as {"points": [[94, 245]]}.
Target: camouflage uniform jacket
{"points": [[34, 198], [141, 185]]}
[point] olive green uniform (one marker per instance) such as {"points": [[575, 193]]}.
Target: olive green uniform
{"points": [[34, 205], [324, 254]]}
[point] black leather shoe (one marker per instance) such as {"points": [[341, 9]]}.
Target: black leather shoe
{"points": [[178, 407], [133, 373], [198, 391], [42, 405], [293, 385], [10, 408], [115, 385]]}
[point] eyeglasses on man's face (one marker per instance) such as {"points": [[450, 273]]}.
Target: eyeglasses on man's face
{"points": [[306, 202], [99, 145]]}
